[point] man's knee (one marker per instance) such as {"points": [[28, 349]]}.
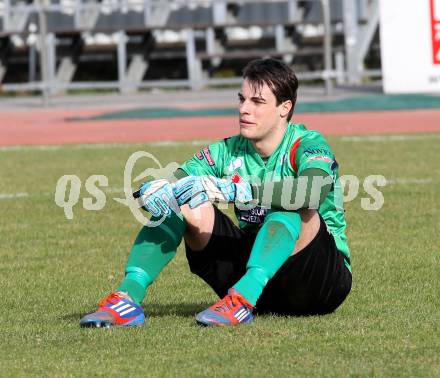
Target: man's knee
{"points": [[199, 225]]}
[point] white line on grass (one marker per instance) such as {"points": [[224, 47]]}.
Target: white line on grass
{"points": [[113, 190], [389, 138], [28, 148], [4, 196], [100, 146], [399, 181], [7, 196], [110, 190]]}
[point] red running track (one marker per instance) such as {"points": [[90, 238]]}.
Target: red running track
{"points": [[48, 126]]}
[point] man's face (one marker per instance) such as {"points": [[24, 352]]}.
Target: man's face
{"points": [[259, 114]]}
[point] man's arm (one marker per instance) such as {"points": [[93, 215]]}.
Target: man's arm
{"points": [[308, 191]]}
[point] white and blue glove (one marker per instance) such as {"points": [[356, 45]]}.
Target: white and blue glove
{"points": [[157, 198], [196, 190]]}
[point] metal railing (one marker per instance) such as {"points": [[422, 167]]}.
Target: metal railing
{"points": [[22, 20]]}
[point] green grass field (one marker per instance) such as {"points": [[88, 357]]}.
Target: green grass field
{"points": [[54, 270]]}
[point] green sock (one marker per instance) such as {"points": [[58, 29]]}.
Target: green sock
{"points": [[153, 249], [273, 245]]}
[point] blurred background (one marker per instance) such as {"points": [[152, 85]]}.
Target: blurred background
{"points": [[123, 76], [55, 46]]}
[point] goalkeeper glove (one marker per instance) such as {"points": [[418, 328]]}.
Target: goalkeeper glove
{"points": [[196, 190], [157, 198]]}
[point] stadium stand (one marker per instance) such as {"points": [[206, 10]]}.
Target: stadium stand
{"points": [[194, 43]]}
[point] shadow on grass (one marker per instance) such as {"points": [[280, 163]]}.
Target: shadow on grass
{"points": [[157, 310], [175, 309]]}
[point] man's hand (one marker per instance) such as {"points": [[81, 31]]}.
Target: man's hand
{"points": [[157, 198], [196, 190]]}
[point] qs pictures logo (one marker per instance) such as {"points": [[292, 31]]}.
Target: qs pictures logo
{"points": [[69, 187]]}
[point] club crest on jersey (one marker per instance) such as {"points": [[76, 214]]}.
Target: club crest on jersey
{"points": [[205, 153], [235, 164]]}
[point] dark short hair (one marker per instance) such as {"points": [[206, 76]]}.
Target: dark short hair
{"points": [[277, 75]]}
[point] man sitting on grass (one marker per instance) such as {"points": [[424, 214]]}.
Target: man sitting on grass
{"points": [[289, 254]]}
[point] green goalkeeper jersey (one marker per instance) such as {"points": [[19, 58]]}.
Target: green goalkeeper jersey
{"points": [[300, 149]]}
